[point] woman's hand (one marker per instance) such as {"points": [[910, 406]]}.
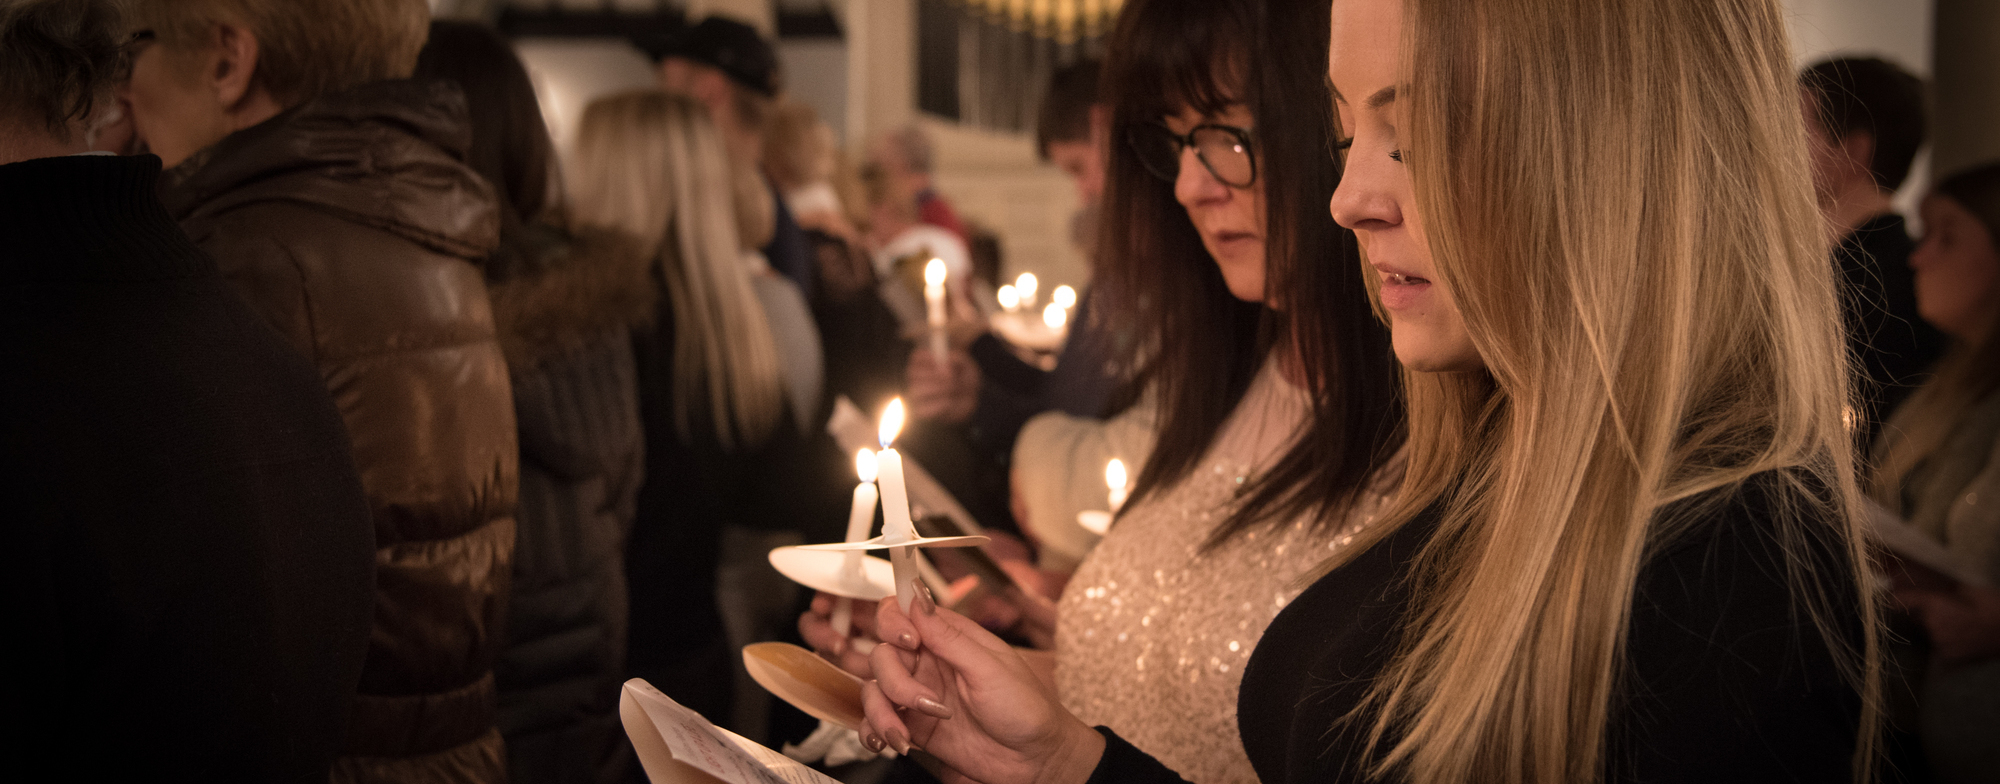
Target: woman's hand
{"points": [[951, 688], [849, 653]]}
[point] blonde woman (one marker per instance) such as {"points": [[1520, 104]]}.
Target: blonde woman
{"points": [[711, 393], [1939, 468], [1624, 549]]}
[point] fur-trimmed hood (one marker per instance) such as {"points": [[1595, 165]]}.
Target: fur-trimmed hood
{"points": [[562, 292]]}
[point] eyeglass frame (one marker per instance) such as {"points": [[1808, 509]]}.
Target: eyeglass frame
{"points": [[1183, 141]]}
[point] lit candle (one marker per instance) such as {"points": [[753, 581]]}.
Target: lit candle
{"points": [[934, 277], [1064, 296], [1026, 285], [896, 525], [1114, 478], [1010, 298], [1054, 316], [860, 519]]}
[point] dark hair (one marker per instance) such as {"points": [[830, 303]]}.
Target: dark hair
{"points": [[510, 143], [1156, 275], [57, 57], [1876, 97], [1065, 112]]}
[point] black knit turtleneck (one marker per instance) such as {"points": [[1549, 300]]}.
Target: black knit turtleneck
{"points": [[187, 559], [90, 217]]}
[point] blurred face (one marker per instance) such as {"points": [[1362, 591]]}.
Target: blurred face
{"points": [[1827, 159], [1958, 271], [174, 111], [1375, 198], [1230, 219], [1084, 163]]}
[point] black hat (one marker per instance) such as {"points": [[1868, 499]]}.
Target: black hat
{"points": [[730, 46]]}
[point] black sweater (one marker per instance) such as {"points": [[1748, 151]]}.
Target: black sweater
{"points": [[189, 563], [1724, 681]]}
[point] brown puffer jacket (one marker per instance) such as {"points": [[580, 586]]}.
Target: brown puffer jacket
{"points": [[350, 223]]}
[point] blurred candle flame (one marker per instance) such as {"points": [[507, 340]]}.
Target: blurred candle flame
{"points": [[1009, 297], [865, 464], [1026, 285], [1064, 296], [892, 423], [934, 273], [1055, 316]]}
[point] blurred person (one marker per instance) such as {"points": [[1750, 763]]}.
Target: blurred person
{"points": [[190, 556], [726, 66], [330, 191], [1628, 546], [564, 304], [802, 158], [721, 437], [1864, 123], [1939, 469], [1276, 412]]}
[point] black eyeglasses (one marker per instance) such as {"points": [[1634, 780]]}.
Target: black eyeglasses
{"points": [[1223, 149]]}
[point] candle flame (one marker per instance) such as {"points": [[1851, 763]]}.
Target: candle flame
{"points": [[1064, 296], [892, 423], [1026, 285], [1009, 297], [934, 272], [1055, 316], [865, 464], [1114, 474]]}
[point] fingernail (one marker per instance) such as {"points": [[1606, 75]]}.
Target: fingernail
{"points": [[933, 708], [907, 640], [840, 646], [873, 742], [864, 647], [898, 740], [924, 602]]}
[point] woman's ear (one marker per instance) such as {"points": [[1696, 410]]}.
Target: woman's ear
{"points": [[234, 67]]}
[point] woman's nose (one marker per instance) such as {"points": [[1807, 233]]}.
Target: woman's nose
{"points": [[1364, 200], [1196, 184]]}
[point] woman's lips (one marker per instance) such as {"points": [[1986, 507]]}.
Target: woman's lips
{"points": [[1400, 291]]}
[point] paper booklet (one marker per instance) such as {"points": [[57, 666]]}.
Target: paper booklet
{"points": [[1889, 531], [677, 746]]}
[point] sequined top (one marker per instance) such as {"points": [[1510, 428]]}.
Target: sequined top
{"points": [[1152, 634]]}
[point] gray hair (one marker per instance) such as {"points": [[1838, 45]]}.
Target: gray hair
{"points": [[58, 58], [915, 147]]}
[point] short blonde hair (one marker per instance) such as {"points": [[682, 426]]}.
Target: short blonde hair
{"points": [[306, 48]]}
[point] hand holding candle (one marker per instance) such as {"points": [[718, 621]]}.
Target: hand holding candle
{"points": [[860, 520]]}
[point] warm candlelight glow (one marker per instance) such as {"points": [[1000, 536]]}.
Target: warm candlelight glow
{"points": [[1064, 296], [1027, 285], [1114, 478], [865, 464], [892, 423], [1010, 299], [1055, 316], [934, 273]]}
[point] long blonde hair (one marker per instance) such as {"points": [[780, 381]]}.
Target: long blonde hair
{"points": [[651, 165], [1616, 193]]}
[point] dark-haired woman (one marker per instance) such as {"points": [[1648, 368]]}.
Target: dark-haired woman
{"points": [[1274, 384], [565, 304]]}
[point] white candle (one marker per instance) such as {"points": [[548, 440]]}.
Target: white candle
{"points": [[1054, 316], [934, 278], [1026, 285], [1064, 296], [1114, 478], [896, 525], [860, 519], [1010, 298]]}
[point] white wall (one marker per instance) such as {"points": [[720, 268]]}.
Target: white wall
{"points": [[816, 75]]}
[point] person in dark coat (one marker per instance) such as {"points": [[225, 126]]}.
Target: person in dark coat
{"points": [[333, 195], [565, 304], [190, 565], [1865, 121]]}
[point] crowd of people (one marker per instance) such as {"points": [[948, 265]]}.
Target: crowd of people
{"points": [[1548, 396]]}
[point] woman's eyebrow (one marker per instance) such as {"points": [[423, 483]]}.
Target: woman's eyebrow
{"points": [[1381, 98]]}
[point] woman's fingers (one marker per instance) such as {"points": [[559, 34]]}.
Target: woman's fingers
{"points": [[894, 627], [885, 726], [893, 675]]}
